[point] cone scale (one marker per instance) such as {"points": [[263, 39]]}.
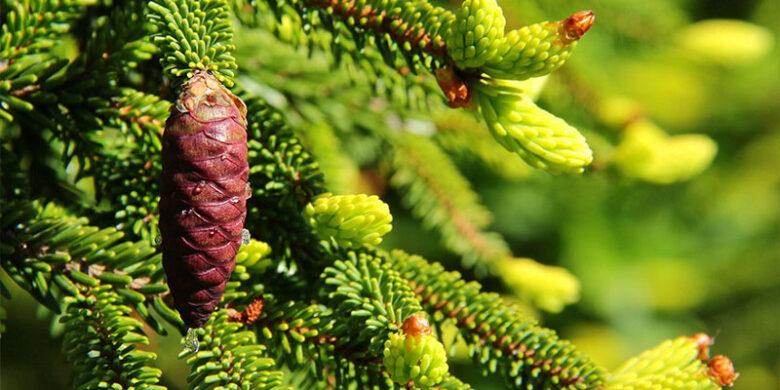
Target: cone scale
{"points": [[203, 194]]}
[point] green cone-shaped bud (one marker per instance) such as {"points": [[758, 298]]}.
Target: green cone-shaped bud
{"points": [[352, 220], [648, 153], [547, 287], [727, 42], [538, 49], [476, 34], [542, 139], [414, 356], [673, 365]]}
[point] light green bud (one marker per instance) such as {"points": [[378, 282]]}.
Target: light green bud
{"points": [[726, 42], [547, 287], [541, 139], [420, 359], [538, 49], [648, 153], [476, 34], [672, 365], [352, 220]]}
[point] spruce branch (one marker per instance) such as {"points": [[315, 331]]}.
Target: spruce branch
{"points": [[500, 339], [285, 178], [20, 85], [84, 105], [283, 168], [230, 357], [369, 296], [194, 35], [442, 198], [464, 137], [391, 43], [34, 26], [472, 53], [115, 44], [138, 118], [300, 336], [100, 338], [403, 31], [51, 253], [340, 172]]}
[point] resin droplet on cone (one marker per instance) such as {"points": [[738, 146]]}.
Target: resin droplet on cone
{"points": [[203, 194]]}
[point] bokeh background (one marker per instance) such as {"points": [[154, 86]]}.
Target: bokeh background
{"points": [[669, 233]]}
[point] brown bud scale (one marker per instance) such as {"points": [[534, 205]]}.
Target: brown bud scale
{"points": [[416, 326], [703, 343], [575, 26], [721, 369], [455, 89], [250, 314], [203, 194]]}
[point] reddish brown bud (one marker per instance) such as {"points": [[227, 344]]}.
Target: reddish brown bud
{"points": [[575, 26], [703, 342], [251, 312], [416, 326], [721, 369], [455, 89], [202, 194]]}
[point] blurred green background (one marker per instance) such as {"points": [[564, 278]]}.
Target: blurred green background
{"points": [[662, 248]]}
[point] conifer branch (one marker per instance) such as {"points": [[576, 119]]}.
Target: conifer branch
{"points": [[299, 335], [338, 316], [340, 172], [139, 118], [390, 43], [467, 139], [230, 357], [500, 339], [438, 194], [302, 337], [51, 253], [100, 339], [283, 167], [194, 35], [403, 31], [285, 178], [33, 26], [368, 296]]}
